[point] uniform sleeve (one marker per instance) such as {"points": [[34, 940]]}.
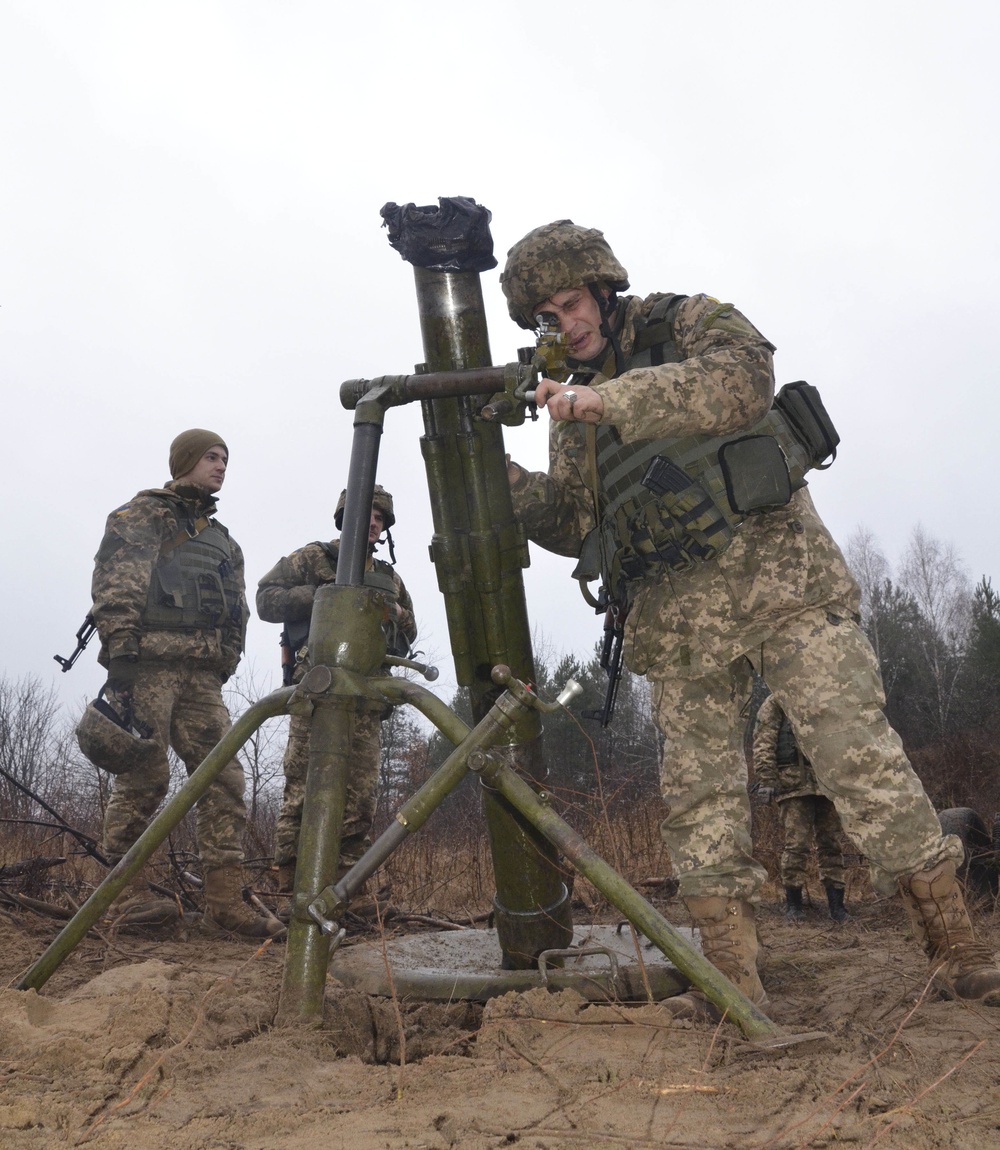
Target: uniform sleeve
{"points": [[234, 633], [406, 622], [765, 742], [557, 509], [123, 568], [724, 384], [286, 592]]}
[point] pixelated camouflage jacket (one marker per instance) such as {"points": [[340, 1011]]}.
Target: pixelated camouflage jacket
{"points": [[697, 621], [285, 594], [134, 538], [790, 779]]}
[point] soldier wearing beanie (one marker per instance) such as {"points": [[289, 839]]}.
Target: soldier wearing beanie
{"points": [[171, 612]]}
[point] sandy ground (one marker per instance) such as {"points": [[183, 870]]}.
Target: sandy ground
{"points": [[143, 1041]]}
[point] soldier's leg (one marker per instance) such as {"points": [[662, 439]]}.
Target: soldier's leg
{"points": [[829, 843], [797, 832], [703, 780], [136, 794], [295, 765], [200, 720], [362, 788], [823, 672]]}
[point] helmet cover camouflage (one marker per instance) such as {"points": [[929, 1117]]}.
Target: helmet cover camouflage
{"points": [[381, 499], [554, 258], [108, 744]]}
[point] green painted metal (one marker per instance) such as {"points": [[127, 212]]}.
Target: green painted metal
{"points": [[479, 552], [347, 646], [643, 916], [141, 850]]}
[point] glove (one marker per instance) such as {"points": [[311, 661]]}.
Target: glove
{"points": [[764, 794], [122, 674]]}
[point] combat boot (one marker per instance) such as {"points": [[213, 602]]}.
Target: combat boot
{"points": [[729, 942], [960, 966], [835, 900], [225, 907], [793, 903]]}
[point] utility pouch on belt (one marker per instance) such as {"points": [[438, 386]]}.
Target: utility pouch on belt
{"points": [[755, 472], [802, 407]]}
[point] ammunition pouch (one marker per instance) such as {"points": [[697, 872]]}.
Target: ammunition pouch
{"points": [[675, 503]]}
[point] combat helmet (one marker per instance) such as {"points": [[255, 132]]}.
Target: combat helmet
{"points": [[111, 743], [553, 258], [381, 499]]}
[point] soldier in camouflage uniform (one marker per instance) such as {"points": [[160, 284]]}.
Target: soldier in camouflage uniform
{"points": [[778, 600], [285, 595], [781, 770], [171, 613]]}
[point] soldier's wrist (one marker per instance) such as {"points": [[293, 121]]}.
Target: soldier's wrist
{"points": [[521, 478], [123, 645]]}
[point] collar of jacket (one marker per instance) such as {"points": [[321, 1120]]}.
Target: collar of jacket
{"points": [[200, 502]]}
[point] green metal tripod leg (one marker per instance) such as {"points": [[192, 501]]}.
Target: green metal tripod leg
{"points": [[141, 850]]}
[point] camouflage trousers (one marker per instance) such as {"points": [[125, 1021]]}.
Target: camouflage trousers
{"points": [[804, 817], [823, 672], [359, 801], [183, 704]]}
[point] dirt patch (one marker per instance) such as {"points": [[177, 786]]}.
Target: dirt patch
{"points": [[142, 1042]]}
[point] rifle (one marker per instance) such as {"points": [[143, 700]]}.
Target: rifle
{"points": [[86, 632], [611, 661]]}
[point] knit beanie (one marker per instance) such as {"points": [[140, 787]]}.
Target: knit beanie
{"points": [[189, 447]]}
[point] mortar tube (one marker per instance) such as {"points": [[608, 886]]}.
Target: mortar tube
{"points": [[142, 849], [644, 917]]}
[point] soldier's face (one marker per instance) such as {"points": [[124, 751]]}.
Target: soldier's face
{"points": [[376, 526], [209, 473], [579, 317]]}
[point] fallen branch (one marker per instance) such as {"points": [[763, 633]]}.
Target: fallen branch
{"points": [[27, 867]]}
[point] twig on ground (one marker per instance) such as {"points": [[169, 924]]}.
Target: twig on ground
{"points": [[200, 1014]]}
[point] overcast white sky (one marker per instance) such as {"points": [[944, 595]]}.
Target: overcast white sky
{"points": [[189, 220]]}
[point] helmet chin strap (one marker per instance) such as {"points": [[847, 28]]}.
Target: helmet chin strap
{"points": [[388, 540], [608, 306]]}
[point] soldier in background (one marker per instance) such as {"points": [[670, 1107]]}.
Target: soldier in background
{"points": [[171, 613], [285, 595], [783, 772], [669, 378]]}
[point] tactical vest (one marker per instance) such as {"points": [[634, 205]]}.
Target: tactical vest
{"points": [[677, 502], [194, 585]]}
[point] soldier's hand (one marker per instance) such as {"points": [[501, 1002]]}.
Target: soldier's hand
{"points": [[573, 401], [764, 794], [122, 674]]}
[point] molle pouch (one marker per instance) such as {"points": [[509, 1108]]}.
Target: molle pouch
{"points": [[588, 566], [756, 473], [168, 584], [211, 598], [802, 407], [701, 527]]}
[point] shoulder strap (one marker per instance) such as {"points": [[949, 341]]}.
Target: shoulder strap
{"points": [[658, 332], [195, 529]]}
